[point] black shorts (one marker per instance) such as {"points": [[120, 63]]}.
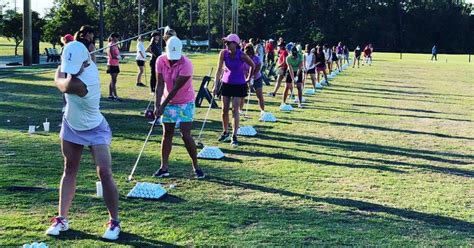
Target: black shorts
{"points": [[111, 69], [311, 71], [234, 90], [288, 77], [140, 62]]}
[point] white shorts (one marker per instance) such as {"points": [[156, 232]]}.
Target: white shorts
{"points": [[340, 56]]}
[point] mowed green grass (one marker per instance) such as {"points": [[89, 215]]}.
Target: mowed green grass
{"points": [[382, 157]]}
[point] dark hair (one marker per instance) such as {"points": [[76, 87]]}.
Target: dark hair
{"points": [[81, 35], [249, 49], [113, 35]]}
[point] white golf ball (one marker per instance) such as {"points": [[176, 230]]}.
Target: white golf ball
{"points": [[8, 121]]}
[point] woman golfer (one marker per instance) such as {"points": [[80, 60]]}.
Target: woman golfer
{"points": [[234, 86], [174, 102], [257, 82], [113, 68], [309, 66], [83, 125], [294, 76]]}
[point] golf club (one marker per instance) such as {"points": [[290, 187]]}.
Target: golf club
{"points": [[130, 177], [199, 143]]}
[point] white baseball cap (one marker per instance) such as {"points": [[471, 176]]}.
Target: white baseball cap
{"points": [[74, 55], [174, 48]]}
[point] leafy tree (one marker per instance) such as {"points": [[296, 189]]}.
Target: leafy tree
{"points": [[12, 26], [66, 18]]}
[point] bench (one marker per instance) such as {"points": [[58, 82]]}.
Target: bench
{"points": [[195, 44], [52, 55]]}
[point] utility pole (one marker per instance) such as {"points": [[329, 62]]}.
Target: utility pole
{"points": [[191, 17], [101, 23], [139, 17], [209, 23], [223, 17], [27, 34]]}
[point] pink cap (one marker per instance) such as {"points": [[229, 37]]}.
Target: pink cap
{"points": [[232, 38], [68, 38]]}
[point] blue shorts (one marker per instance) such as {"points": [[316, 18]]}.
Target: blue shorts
{"points": [[175, 113], [258, 83]]}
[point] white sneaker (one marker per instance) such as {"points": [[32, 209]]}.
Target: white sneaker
{"points": [[59, 224], [113, 230], [300, 105]]}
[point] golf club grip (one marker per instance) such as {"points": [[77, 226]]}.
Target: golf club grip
{"points": [[143, 148]]}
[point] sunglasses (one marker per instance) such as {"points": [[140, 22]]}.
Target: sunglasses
{"points": [[229, 42]]}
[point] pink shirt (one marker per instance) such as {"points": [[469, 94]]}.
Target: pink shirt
{"points": [[114, 51], [183, 67]]}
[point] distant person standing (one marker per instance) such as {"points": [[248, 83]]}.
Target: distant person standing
{"points": [[320, 63], [140, 58], [434, 53], [294, 75], [309, 65], [282, 67], [357, 54], [113, 54], [328, 56], [270, 52], [346, 54], [155, 50], [340, 53], [368, 55]]}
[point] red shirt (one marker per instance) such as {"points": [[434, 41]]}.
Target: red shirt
{"points": [[282, 54], [269, 47]]}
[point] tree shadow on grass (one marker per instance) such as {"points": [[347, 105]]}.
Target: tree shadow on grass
{"points": [[370, 148], [356, 111], [368, 95], [403, 109], [281, 156], [126, 238], [384, 162], [403, 92], [430, 219]]}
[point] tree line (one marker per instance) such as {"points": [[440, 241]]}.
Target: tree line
{"points": [[396, 26]]}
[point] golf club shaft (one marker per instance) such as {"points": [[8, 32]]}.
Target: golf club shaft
{"points": [[143, 148], [122, 41]]}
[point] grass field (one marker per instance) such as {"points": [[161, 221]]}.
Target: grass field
{"points": [[383, 157]]}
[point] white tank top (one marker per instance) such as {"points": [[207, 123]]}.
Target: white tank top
{"points": [[82, 113], [309, 61]]}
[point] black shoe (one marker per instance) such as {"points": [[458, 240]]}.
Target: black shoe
{"points": [[161, 173], [234, 141], [111, 98], [199, 174], [224, 137], [116, 99], [141, 85]]}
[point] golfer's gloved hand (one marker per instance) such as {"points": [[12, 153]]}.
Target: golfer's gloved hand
{"points": [[159, 111]]}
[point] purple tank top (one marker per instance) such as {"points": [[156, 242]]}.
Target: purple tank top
{"points": [[256, 61], [233, 68]]}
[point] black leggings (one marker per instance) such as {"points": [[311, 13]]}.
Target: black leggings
{"points": [[153, 76]]}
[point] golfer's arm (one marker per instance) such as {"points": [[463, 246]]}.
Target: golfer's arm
{"points": [[292, 73], [71, 85], [219, 68], [249, 61], [160, 86], [178, 84]]}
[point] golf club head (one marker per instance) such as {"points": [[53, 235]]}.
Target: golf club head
{"points": [[130, 178], [200, 144]]}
